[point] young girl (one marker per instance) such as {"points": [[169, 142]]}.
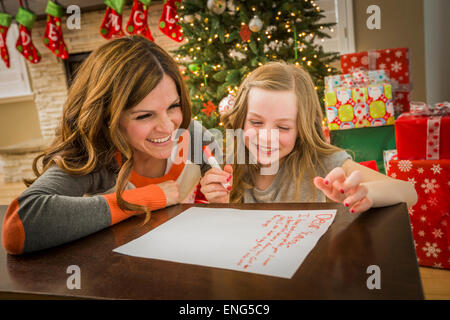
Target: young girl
{"points": [[280, 98], [117, 133]]}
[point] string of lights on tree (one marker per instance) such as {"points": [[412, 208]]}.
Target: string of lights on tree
{"points": [[227, 40]]}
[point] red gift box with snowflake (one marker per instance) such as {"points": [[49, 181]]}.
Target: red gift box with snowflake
{"points": [[424, 133], [395, 62], [430, 220]]}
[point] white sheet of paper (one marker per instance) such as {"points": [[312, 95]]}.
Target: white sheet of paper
{"points": [[268, 242]]}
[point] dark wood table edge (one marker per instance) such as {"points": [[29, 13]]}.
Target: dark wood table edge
{"points": [[26, 295]]}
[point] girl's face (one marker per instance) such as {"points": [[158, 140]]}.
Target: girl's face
{"points": [[270, 128], [150, 125]]}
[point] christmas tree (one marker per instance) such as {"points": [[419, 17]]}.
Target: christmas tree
{"points": [[226, 40]]}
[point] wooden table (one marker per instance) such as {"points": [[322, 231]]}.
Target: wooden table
{"points": [[335, 269]]}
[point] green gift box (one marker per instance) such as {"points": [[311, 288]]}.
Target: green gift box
{"points": [[365, 144]]}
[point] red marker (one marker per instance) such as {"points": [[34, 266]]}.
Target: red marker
{"points": [[213, 163]]}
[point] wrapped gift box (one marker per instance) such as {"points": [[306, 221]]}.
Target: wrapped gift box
{"points": [[396, 63], [372, 164], [356, 79], [389, 155], [349, 108], [424, 134], [429, 217], [365, 144]]}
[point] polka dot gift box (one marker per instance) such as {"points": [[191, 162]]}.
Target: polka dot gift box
{"points": [[369, 106]]}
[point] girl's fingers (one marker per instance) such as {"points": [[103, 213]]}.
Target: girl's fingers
{"points": [[328, 190], [215, 178], [214, 196], [352, 181], [212, 187], [361, 206], [336, 178], [217, 171], [358, 194], [337, 174], [228, 168], [319, 182]]}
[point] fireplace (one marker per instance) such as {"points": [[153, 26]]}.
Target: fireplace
{"points": [[72, 64]]}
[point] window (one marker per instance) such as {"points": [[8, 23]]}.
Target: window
{"points": [[14, 82], [342, 37]]}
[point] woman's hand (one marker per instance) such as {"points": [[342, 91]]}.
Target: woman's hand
{"points": [[211, 184], [172, 192], [346, 190]]}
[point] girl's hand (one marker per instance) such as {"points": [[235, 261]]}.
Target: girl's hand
{"points": [[346, 190], [172, 192], [211, 184]]}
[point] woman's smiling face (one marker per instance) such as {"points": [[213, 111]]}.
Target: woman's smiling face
{"points": [[270, 128], [151, 125]]}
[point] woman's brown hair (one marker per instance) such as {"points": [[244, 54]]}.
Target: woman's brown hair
{"points": [[114, 78], [310, 146]]}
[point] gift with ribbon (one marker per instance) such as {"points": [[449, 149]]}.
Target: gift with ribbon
{"points": [[394, 61], [424, 132], [429, 217], [369, 106], [357, 79]]}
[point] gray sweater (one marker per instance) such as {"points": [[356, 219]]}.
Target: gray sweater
{"points": [[284, 191]]}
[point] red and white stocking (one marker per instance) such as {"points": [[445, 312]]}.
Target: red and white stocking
{"points": [[111, 26], [138, 24], [24, 42], [53, 37], [5, 22], [168, 24]]}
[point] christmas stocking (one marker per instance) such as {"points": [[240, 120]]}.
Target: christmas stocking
{"points": [[137, 24], [53, 37], [24, 43], [5, 22], [112, 22], [168, 22]]}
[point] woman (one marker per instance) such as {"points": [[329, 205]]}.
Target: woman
{"points": [[118, 142]]}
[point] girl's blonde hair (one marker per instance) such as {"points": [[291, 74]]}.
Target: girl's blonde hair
{"points": [[310, 146], [114, 78]]}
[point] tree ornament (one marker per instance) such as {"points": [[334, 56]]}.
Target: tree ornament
{"points": [[271, 29], [193, 67], [238, 55], [168, 24], [5, 22], [53, 36], [24, 42], [137, 23], [231, 6], [226, 104], [217, 6], [111, 26], [189, 18], [209, 108], [245, 33], [255, 24]]}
